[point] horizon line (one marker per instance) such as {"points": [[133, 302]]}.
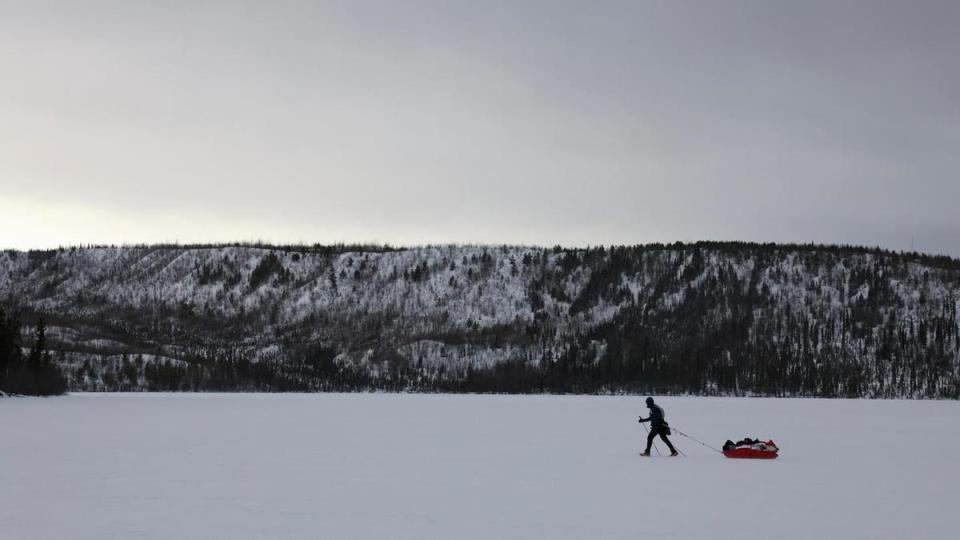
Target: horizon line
{"points": [[385, 246]]}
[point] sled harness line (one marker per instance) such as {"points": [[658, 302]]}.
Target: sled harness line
{"points": [[701, 443]]}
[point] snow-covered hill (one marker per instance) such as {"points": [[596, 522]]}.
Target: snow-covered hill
{"points": [[706, 318]]}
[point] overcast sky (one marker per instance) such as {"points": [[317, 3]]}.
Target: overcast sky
{"points": [[498, 122]]}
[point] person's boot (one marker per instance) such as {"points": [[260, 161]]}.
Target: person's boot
{"points": [[674, 453], [645, 453]]}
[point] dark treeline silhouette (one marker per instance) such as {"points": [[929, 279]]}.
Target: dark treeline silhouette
{"points": [[707, 318], [33, 374]]}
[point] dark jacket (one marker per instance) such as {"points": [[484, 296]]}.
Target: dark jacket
{"points": [[657, 420]]}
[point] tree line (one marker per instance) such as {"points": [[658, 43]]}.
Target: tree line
{"points": [[34, 373]]}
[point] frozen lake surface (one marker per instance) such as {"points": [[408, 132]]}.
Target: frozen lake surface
{"points": [[442, 466]]}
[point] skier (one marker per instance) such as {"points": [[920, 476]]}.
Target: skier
{"points": [[658, 426]]}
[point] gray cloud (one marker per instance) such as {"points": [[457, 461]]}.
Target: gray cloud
{"points": [[543, 122]]}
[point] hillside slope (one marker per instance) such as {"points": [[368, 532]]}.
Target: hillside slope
{"points": [[707, 318]]}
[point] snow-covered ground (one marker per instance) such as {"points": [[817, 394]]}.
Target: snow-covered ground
{"points": [[439, 466]]}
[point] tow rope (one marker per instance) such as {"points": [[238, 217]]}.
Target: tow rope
{"points": [[695, 440]]}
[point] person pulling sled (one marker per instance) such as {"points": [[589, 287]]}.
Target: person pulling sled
{"points": [[658, 426]]}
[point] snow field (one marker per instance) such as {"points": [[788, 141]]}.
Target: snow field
{"points": [[450, 466]]}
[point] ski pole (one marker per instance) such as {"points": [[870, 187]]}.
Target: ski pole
{"points": [[648, 434], [679, 451]]}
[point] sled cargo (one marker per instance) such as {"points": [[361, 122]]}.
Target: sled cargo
{"points": [[750, 449]]}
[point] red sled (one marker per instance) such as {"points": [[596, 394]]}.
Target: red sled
{"points": [[760, 450]]}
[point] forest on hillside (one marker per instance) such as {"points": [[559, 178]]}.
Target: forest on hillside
{"points": [[704, 318]]}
